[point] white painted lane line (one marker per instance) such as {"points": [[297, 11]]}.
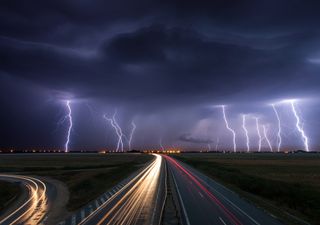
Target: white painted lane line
{"points": [[200, 194], [82, 214], [73, 220], [180, 198], [225, 198], [222, 221], [90, 209]]}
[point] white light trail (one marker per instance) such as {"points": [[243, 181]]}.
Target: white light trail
{"points": [[69, 117], [131, 134], [228, 127], [118, 130], [34, 209], [259, 134], [246, 132], [279, 127], [266, 137], [299, 127]]}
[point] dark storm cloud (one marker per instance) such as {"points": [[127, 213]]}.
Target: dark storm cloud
{"points": [[162, 54], [189, 138], [170, 60]]}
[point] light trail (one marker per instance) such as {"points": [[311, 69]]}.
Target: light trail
{"points": [[135, 203], [259, 134], [228, 127], [131, 133], [117, 129], [266, 137], [34, 209], [279, 127], [197, 184], [246, 132], [69, 117], [298, 125]]}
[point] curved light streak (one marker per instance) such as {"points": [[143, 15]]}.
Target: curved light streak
{"points": [[136, 199], [33, 210]]}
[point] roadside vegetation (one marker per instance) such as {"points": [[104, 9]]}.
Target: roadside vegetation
{"points": [[8, 192], [86, 175], [287, 185]]}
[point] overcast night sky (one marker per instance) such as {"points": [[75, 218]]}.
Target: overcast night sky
{"points": [[166, 65]]}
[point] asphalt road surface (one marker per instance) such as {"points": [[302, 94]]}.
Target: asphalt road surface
{"points": [[204, 201], [139, 202], [35, 205]]}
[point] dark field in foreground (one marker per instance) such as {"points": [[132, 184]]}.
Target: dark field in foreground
{"points": [[8, 192], [280, 183], [86, 175]]}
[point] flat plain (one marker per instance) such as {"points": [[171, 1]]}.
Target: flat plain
{"points": [[286, 185], [86, 176]]}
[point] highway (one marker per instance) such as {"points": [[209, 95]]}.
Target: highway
{"points": [[140, 201], [204, 201], [34, 207]]}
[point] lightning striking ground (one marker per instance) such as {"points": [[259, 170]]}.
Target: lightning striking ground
{"points": [[246, 132], [160, 143], [228, 127], [69, 117], [217, 143], [118, 130], [279, 127], [131, 134], [299, 127], [266, 137], [259, 134]]}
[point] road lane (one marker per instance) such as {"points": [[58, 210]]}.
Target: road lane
{"points": [[138, 202], [35, 206], [207, 202]]}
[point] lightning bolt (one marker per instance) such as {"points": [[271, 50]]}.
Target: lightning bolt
{"points": [[160, 143], [69, 117], [279, 127], [266, 137], [246, 132], [298, 125], [259, 134], [118, 130], [217, 143], [131, 134], [228, 127]]}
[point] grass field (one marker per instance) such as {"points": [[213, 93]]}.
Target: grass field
{"points": [[86, 175], [281, 183], [8, 192]]}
